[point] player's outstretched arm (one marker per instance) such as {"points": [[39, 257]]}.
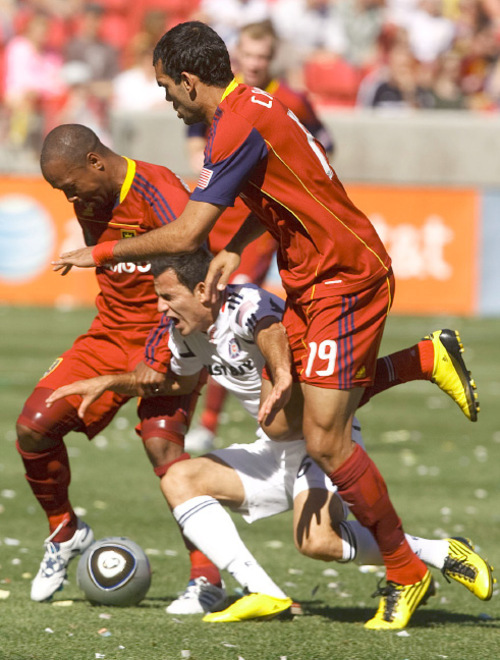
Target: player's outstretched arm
{"points": [[150, 382], [186, 234], [273, 343], [92, 388], [227, 261]]}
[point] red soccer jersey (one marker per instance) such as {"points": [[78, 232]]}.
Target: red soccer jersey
{"points": [[150, 197], [258, 149], [298, 103]]}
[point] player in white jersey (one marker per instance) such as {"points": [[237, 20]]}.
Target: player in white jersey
{"points": [[232, 339]]}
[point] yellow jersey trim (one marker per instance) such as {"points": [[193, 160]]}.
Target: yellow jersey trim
{"points": [[129, 177], [230, 88], [270, 88]]}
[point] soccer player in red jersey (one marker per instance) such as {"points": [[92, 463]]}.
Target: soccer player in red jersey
{"points": [[334, 268], [256, 48], [113, 197]]}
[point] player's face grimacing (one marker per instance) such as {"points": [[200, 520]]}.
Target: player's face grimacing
{"points": [[181, 304], [180, 96], [81, 184]]}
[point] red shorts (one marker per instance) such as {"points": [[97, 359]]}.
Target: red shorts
{"points": [[335, 340], [96, 353]]}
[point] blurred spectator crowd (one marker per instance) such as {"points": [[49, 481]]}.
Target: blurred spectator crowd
{"points": [[76, 60]]}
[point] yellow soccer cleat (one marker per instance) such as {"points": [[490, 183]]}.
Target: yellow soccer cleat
{"points": [[450, 372], [253, 606], [465, 566], [398, 603]]}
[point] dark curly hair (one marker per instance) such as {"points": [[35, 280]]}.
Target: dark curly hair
{"points": [[191, 268], [196, 48]]}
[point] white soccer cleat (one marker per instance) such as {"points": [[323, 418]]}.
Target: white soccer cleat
{"points": [[200, 597], [199, 440], [52, 571]]}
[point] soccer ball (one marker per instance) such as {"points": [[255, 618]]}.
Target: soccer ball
{"points": [[114, 571]]}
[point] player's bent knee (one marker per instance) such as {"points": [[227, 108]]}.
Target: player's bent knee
{"points": [[319, 548], [30, 440], [180, 482], [40, 427]]}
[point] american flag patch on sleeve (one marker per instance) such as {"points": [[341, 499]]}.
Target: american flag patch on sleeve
{"points": [[204, 180]]}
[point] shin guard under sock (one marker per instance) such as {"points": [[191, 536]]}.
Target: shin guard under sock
{"points": [[362, 487], [49, 475]]}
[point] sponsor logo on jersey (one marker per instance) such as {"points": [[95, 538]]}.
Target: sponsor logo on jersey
{"points": [[128, 233], [228, 370], [234, 348], [127, 267], [204, 180], [52, 367]]}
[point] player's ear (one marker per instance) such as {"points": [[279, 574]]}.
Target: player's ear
{"points": [[189, 80], [95, 161], [199, 290]]}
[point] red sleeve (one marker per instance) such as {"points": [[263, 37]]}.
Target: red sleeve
{"points": [[156, 351]]}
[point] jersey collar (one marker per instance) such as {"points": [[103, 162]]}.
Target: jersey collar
{"points": [[270, 88], [230, 88], [129, 177]]}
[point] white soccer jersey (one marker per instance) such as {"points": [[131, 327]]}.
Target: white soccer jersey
{"points": [[228, 350]]}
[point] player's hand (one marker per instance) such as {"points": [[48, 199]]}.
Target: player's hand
{"points": [[90, 390], [277, 399], [82, 258], [220, 270], [149, 382]]}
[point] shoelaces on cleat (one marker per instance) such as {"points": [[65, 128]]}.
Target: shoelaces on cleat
{"points": [[391, 595], [459, 567]]}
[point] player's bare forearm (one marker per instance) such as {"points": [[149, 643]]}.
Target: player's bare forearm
{"points": [[227, 261], [273, 343], [185, 234]]}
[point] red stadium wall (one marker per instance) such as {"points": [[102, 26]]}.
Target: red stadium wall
{"points": [[432, 235]]}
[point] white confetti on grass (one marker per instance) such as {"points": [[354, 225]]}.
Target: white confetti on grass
{"points": [[481, 494], [9, 541], [101, 442], [171, 553], [8, 494], [4, 594], [121, 423], [330, 572], [295, 571], [49, 630], [185, 653], [104, 615], [99, 504], [403, 633], [275, 544], [368, 568], [62, 603]]}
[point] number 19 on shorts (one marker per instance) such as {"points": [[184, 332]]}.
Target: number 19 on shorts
{"points": [[326, 352]]}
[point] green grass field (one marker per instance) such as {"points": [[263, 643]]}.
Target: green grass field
{"points": [[442, 472]]}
